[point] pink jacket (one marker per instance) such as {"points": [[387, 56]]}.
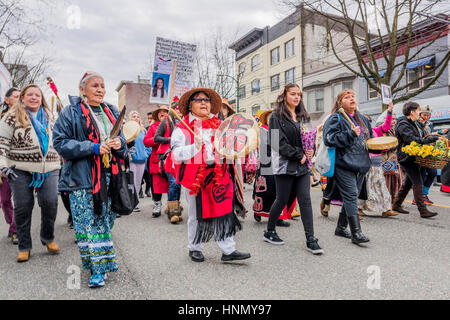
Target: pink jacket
{"points": [[381, 130]]}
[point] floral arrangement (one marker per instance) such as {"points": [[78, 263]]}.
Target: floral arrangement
{"points": [[438, 151]]}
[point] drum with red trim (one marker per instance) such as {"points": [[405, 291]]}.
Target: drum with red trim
{"points": [[237, 136]]}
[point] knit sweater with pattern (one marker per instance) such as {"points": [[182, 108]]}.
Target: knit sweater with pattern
{"points": [[20, 146]]}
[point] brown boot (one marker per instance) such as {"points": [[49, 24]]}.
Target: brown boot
{"points": [[52, 247], [172, 211], [400, 197], [23, 256], [178, 210], [418, 196]]}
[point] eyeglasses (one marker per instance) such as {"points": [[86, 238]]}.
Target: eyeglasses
{"points": [[200, 100]]}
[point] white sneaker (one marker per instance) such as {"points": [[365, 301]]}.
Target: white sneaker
{"points": [[157, 209]]}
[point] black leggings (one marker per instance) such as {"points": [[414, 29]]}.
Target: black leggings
{"points": [[157, 196], [413, 176], [428, 175], [284, 184]]}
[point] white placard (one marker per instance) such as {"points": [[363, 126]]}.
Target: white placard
{"points": [[184, 54], [161, 81], [386, 94]]}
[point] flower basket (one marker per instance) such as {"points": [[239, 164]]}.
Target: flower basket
{"points": [[435, 155]]}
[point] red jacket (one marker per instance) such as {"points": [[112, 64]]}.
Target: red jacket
{"points": [[149, 142]]}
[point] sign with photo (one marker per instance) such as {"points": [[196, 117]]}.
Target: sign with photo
{"points": [[184, 54], [161, 81], [386, 94]]}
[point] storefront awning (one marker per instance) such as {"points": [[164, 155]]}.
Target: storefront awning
{"points": [[439, 104], [419, 63]]}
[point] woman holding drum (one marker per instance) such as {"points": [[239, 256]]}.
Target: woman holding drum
{"points": [[207, 179], [348, 132], [378, 196]]}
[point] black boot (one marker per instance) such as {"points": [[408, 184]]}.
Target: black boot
{"points": [[355, 228], [341, 229]]}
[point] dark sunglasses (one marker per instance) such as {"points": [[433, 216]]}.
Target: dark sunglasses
{"points": [[200, 100]]}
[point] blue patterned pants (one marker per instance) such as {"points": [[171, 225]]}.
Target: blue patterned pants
{"points": [[93, 232]]}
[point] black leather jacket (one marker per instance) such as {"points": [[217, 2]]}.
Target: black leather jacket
{"points": [[289, 147]]}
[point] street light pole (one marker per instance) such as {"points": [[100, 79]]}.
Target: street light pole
{"points": [[237, 88]]}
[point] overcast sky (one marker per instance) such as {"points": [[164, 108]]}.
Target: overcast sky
{"points": [[116, 38]]}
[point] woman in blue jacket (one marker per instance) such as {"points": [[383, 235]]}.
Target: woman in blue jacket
{"points": [[352, 160], [139, 155], [91, 159]]}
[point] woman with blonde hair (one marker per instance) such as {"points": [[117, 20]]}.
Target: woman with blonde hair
{"points": [[139, 154], [26, 142]]}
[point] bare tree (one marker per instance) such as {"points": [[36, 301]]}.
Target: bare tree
{"points": [[398, 26], [215, 63], [19, 33]]}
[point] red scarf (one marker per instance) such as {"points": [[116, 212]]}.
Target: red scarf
{"points": [[99, 188], [212, 123], [213, 188]]}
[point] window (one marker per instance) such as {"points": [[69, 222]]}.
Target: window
{"points": [[412, 76], [255, 110], [315, 100], [289, 76], [241, 92], [242, 68], [256, 86], [429, 73], [275, 55], [255, 62], [275, 82], [339, 87], [289, 49], [335, 90], [347, 85], [371, 93]]}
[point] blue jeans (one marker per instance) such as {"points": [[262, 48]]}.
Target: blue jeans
{"points": [[174, 188]]}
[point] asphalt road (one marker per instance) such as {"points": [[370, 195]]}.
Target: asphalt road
{"points": [[407, 258]]}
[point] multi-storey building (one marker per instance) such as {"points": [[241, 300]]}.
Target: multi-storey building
{"points": [[136, 96], [322, 86], [268, 58], [429, 46]]}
